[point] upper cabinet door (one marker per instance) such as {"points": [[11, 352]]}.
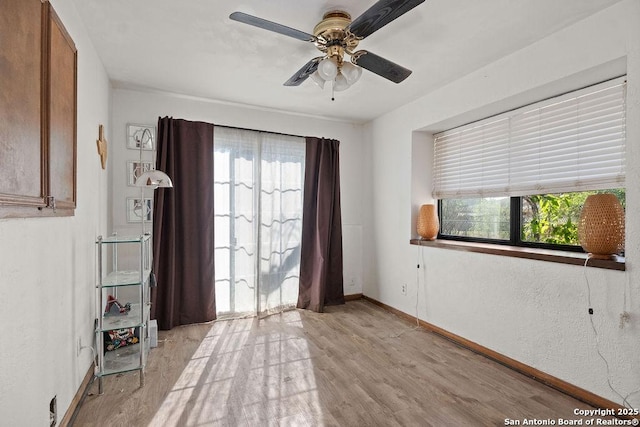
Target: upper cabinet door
{"points": [[38, 105], [22, 144], [62, 114]]}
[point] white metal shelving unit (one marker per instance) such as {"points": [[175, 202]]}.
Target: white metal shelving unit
{"points": [[124, 268]]}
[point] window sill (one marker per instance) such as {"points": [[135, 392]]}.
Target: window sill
{"points": [[562, 257]]}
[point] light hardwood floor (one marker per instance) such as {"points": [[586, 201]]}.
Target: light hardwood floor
{"points": [[355, 365]]}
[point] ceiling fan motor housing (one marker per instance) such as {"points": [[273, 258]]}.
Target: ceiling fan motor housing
{"points": [[333, 21], [334, 39]]}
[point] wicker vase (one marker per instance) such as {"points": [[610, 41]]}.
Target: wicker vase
{"points": [[428, 224], [601, 226]]}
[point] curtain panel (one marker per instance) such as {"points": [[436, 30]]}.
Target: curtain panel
{"points": [[183, 226], [321, 264], [259, 178]]}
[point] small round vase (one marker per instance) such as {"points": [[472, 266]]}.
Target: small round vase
{"points": [[601, 226], [428, 224]]}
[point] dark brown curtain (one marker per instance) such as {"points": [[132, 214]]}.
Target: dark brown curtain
{"points": [[321, 281], [183, 247]]}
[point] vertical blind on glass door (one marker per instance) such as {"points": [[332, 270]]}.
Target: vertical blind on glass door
{"points": [[573, 142]]}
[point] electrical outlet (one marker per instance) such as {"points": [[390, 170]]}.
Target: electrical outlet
{"points": [[352, 283], [404, 289]]}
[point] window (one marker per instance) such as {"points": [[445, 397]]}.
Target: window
{"points": [[540, 220], [521, 178], [552, 219], [258, 194], [476, 218]]}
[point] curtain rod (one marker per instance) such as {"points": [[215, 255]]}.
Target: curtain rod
{"points": [[257, 130], [266, 131]]}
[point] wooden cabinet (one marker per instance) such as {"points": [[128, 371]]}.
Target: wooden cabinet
{"points": [[38, 104], [22, 169], [61, 103]]}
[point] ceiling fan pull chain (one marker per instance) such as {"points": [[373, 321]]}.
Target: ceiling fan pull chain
{"points": [[333, 86]]}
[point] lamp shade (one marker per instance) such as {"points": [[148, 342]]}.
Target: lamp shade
{"points": [[327, 69], [317, 79], [351, 72], [154, 179], [340, 83], [601, 226], [428, 224]]}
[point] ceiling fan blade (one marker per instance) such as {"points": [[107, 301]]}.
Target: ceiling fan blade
{"points": [[382, 67], [303, 73], [272, 26], [379, 15]]}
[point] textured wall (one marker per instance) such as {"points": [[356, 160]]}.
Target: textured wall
{"points": [[532, 311], [47, 268]]}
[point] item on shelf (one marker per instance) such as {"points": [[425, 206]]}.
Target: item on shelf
{"points": [[114, 308], [118, 338]]}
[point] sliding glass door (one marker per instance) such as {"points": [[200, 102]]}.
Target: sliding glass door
{"points": [[258, 220]]}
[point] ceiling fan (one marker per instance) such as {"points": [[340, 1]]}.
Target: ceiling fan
{"points": [[337, 35]]}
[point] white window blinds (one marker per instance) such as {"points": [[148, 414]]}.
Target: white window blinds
{"points": [[573, 142]]}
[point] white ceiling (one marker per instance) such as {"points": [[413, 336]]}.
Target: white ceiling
{"points": [[192, 47]]}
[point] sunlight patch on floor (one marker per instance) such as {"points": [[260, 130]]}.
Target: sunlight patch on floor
{"points": [[248, 372]]}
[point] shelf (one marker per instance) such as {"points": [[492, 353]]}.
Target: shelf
{"points": [[130, 320], [124, 239], [123, 359], [563, 257], [125, 278], [123, 261]]}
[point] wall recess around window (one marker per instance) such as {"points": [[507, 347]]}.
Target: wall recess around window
{"points": [[38, 101]]}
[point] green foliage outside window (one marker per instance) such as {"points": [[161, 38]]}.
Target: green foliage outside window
{"points": [[553, 218], [550, 219], [483, 217]]}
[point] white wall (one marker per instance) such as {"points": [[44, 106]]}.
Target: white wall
{"points": [[532, 311], [132, 106], [529, 310], [47, 268]]}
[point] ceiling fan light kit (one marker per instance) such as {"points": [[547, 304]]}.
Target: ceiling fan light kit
{"points": [[327, 69], [351, 72], [318, 80], [335, 36], [340, 83]]}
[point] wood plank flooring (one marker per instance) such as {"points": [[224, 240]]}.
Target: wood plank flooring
{"points": [[355, 365]]}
